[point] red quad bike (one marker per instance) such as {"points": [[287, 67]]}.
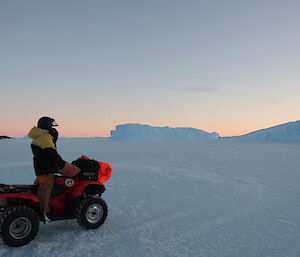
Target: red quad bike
{"points": [[78, 198]]}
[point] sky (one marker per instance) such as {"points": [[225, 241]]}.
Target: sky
{"points": [[218, 65]]}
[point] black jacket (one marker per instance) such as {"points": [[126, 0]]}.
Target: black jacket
{"points": [[46, 159]]}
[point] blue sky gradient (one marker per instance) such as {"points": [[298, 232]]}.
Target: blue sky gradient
{"points": [[225, 66]]}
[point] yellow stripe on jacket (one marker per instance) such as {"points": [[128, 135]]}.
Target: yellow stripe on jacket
{"points": [[41, 138]]}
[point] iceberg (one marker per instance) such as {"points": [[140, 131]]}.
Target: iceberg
{"points": [[287, 132], [138, 132]]}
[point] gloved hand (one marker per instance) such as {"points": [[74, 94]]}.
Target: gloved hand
{"points": [[70, 170]]}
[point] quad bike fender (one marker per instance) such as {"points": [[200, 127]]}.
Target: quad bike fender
{"points": [[26, 196], [88, 185]]}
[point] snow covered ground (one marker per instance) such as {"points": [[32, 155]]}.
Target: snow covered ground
{"points": [[205, 199]]}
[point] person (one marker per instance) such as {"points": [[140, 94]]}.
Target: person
{"points": [[47, 161]]}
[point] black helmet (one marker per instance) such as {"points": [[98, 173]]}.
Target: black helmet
{"points": [[46, 123]]}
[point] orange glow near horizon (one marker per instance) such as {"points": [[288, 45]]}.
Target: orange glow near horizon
{"points": [[67, 131]]}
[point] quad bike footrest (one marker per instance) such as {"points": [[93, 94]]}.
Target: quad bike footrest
{"points": [[17, 188]]}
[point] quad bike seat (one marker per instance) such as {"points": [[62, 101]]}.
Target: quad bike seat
{"points": [[18, 189]]}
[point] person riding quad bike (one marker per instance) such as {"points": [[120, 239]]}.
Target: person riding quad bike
{"points": [[47, 161], [77, 197]]}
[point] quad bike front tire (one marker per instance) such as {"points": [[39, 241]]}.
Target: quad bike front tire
{"points": [[19, 225], [92, 212]]}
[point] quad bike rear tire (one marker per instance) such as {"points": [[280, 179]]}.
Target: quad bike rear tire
{"points": [[92, 212], [19, 225]]}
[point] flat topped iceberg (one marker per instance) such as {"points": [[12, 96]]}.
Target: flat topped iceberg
{"points": [[138, 132]]}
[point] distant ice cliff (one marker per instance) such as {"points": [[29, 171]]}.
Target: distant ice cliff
{"points": [[288, 132], [138, 132]]}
